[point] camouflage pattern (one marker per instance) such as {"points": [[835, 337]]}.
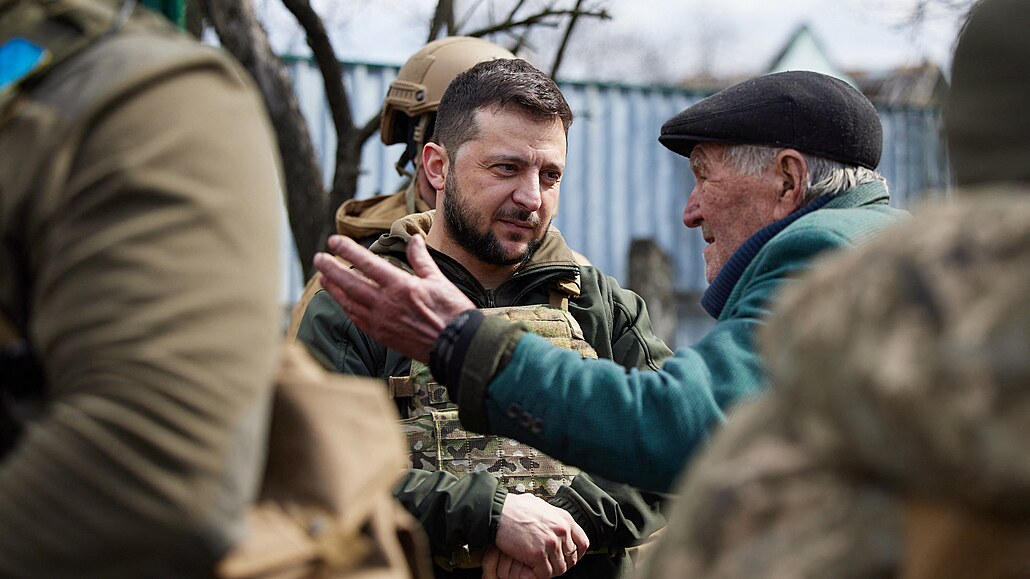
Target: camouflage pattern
{"points": [[919, 372], [437, 441], [900, 375]]}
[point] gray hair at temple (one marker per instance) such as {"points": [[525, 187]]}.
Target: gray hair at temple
{"points": [[825, 176]]}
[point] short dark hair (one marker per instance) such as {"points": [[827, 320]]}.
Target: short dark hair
{"points": [[500, 83]]}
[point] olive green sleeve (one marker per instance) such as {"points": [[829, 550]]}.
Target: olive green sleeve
{"points": [[155, 314], [613, 515], [455, 512]]}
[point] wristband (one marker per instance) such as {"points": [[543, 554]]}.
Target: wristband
{"points": [[447, 356]]}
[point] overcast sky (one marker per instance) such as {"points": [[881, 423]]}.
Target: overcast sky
{"points": [[661, 40]]}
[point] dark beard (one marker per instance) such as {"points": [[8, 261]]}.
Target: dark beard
{"points": [[470, 233]]}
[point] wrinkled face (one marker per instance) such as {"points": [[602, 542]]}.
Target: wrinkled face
{"points": [[501, 191], [728, 206]]}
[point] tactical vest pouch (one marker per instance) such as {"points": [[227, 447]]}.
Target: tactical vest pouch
{"points": [[523, 468], [437, 441], [326, 507]]}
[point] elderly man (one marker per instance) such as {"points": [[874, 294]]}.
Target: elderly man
{"points": [[496, 163], [784, 165], [894, 444]]}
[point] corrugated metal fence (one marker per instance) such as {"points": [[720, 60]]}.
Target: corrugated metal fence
{"points": [[620, 184]]}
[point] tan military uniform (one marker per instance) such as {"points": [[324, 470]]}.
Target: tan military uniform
{"points": [[138, 236], [894, 443]]}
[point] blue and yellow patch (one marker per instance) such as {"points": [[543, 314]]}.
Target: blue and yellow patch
{"points": [[19, 58]]}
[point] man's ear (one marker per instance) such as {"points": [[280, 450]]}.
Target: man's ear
{"points": [[435, 164], [792, 170]]}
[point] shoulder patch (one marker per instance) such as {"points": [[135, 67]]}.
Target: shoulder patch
{"points": [[20, 58]]}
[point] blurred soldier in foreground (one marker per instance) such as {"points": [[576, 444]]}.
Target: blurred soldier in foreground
{"points": [[138, 293], [493, 507], [785, 170], [894, 444]]}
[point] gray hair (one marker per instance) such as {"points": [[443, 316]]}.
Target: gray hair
{"points": [[825, 176]]}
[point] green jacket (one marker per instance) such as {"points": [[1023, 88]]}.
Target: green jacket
{"points": [[465, 512], [665, 415]]}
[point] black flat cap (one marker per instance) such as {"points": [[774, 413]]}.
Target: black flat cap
{"points": [[811, 112]]}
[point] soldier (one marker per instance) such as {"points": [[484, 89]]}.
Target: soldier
{"points": [[135, 167], [895, 442], [496, 164], [408, 117], [785, 170]]}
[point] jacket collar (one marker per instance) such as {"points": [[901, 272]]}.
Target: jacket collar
{"points": [[717, 294], [553, 261]]}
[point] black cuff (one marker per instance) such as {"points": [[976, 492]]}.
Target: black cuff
{"points": [[447, 356]]}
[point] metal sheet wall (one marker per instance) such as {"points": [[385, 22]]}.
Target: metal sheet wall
{"points": [[620, 183]]}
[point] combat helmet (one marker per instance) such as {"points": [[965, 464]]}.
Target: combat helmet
{"points": [[414, 96]]}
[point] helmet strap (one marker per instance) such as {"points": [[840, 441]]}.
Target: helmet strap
{"points": [[413, 153]]}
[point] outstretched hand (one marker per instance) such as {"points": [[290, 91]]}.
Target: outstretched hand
{"points": [[401, 311]]}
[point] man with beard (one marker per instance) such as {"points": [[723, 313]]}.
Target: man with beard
{"points": [[493, 507]]}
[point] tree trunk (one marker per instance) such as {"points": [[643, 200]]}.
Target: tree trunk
{"points": [[651, 276], [242, 35]]}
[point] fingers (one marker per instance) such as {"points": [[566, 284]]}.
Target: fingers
{"points": [[418, 256], [557, 560], [504, 567], [517, 569], [543, 571], [571, 551], [582, 542], [490, 560], [368, 263], [336, 274]]}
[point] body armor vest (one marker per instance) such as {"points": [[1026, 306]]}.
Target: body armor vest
{"points": [[437, 441]]}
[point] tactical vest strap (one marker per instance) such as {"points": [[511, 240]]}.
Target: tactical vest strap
{"points": [[401, 387], [559, 300]]}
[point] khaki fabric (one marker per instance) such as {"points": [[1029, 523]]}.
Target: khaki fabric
{"points": [[326, 508], [362, 220], [133, 178], [370, 218]]}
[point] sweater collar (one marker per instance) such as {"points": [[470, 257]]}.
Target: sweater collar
{"points": [[714, 298]]}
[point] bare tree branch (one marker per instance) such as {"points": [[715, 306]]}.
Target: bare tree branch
{"points": [[371, 126], [565, 39], [547, 17], [347, 162], [443, 18]]}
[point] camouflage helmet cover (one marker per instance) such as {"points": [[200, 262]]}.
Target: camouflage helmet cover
{"points": [[423, 79]]}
